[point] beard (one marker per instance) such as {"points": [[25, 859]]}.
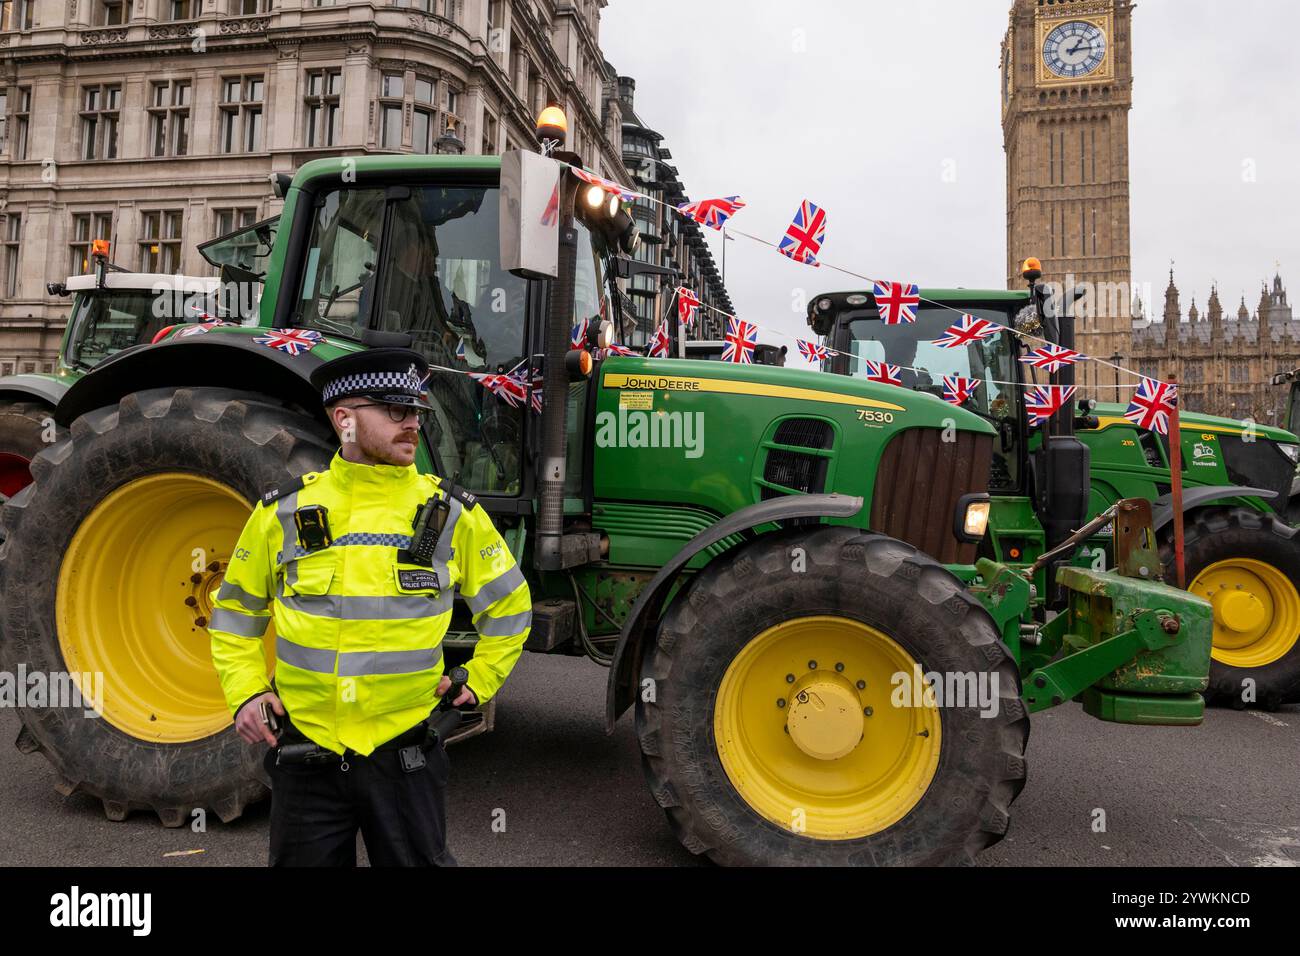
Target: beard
{"points": [[388, 446]]}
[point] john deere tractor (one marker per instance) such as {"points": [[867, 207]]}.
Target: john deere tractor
{"points": [[779, 568], [1241, 554]]}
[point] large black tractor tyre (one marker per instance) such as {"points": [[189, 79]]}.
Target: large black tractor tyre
{"points": [[24, 427], [1239, 549], [167, 474], [787, 601]]}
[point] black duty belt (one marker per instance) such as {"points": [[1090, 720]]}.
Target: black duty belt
{"points": [[297, 749]]}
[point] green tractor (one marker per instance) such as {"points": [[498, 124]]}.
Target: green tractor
{"points": [[1238, 478], [781, 570]]}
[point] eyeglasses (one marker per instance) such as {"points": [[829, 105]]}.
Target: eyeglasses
{"points": [[396, 413]]}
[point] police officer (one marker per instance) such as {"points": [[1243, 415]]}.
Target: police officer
{"points": [[360, 605]]}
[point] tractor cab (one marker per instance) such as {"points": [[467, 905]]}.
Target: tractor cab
{"points": [[241, 258]]}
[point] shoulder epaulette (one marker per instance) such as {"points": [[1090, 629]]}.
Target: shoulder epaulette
{"points": [[287, 488], [460, 494]]}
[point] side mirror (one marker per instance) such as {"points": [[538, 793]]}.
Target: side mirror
{"points": [[530, 214]]}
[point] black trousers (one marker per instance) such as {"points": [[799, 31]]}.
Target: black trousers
{"points": [[317, 810]]}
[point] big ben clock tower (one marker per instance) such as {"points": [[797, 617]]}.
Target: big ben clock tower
{"points": [[1067, 86]]}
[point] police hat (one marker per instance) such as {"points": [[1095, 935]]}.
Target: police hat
{"points": [[395, 376]]}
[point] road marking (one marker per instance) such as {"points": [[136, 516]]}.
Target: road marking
{"points": [[1268, 718]]}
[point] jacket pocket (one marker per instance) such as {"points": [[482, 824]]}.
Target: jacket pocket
{"points": [[312, 573]]}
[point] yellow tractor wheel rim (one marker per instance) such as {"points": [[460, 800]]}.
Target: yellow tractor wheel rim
{"points": [[808, 734], [1256, 611], [133, 603]]}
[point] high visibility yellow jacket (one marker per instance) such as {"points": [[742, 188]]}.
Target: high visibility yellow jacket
{"points": [[358, 632]]}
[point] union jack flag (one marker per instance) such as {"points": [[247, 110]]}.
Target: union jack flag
{"points": [[292, 341], [1044, 401], [814, 352], [578, 336], [617, 349], [608, 185], [897, 302], [510, 387], [882, 372], [661, 345], [201, 328], [713, 213], [968, 331], [741, 339], [958, 390], [460, 351], [1152, 404], [688, 306], [804, 237], [1052, 358]]}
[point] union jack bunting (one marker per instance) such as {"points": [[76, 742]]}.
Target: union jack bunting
{"points": [[1044, 401], [1152, 404], [882, 372], [509, 387], [578, 336], [460, 351], [713, 213], [292, 341], [741, 339], [617, 349], [688, 306], [804, 237], [897, 302], [958, 390], [608, 185], [1052, 358], [968, 331], [814, 352], [661, 345], [201, 328]]}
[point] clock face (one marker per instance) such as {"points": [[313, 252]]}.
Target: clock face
{"points": [[1074, 49]]}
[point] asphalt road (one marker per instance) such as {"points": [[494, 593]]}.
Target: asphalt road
{"points": [[1226, 793]]}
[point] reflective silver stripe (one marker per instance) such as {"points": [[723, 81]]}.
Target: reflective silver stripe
{"points": [[504, 626], [500, 586], [442, 551], [305, 658], [241, 625], [364, 663], [284, 510], [352, 608], [233, 592]]}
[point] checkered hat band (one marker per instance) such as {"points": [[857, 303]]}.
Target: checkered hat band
{"points": [[372, 382]]}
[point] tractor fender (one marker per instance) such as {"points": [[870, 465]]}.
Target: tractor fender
{"points": [[620, 691], [1162, 511], [45, 388], [215, 359]]}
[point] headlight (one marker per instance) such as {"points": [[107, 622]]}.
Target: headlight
{"points": [[1292, 452], [972, 518]]}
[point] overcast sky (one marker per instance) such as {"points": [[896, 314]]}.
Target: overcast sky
{"points": [[862, 106]]}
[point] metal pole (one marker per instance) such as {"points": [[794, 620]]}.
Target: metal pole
{"points": [[1176, 485]]}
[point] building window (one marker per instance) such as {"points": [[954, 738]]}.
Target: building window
{"points": [[425, 132], [17, 14], [4, 119], [453, 120], [13, 238], [160, 247], [111, 13], [241, 114], [182, 9], [99, 121], [169, 118], [228, 220], [489, 133], [85, 227], [245, 8], [390, 111], [13, 129], [323, 117]]}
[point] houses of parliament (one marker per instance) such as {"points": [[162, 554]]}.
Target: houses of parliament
{"points": [[1067, 88]]}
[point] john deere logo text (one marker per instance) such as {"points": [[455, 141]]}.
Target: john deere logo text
{"points": [[629, 428]]}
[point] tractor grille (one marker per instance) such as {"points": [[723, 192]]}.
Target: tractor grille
{"points": [[920, 481], [798, 472], [805, 433]]}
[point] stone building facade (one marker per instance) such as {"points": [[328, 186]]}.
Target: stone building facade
{"points": [[1223, 361], [668, 239], [157, 123], [1067, 88]]}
